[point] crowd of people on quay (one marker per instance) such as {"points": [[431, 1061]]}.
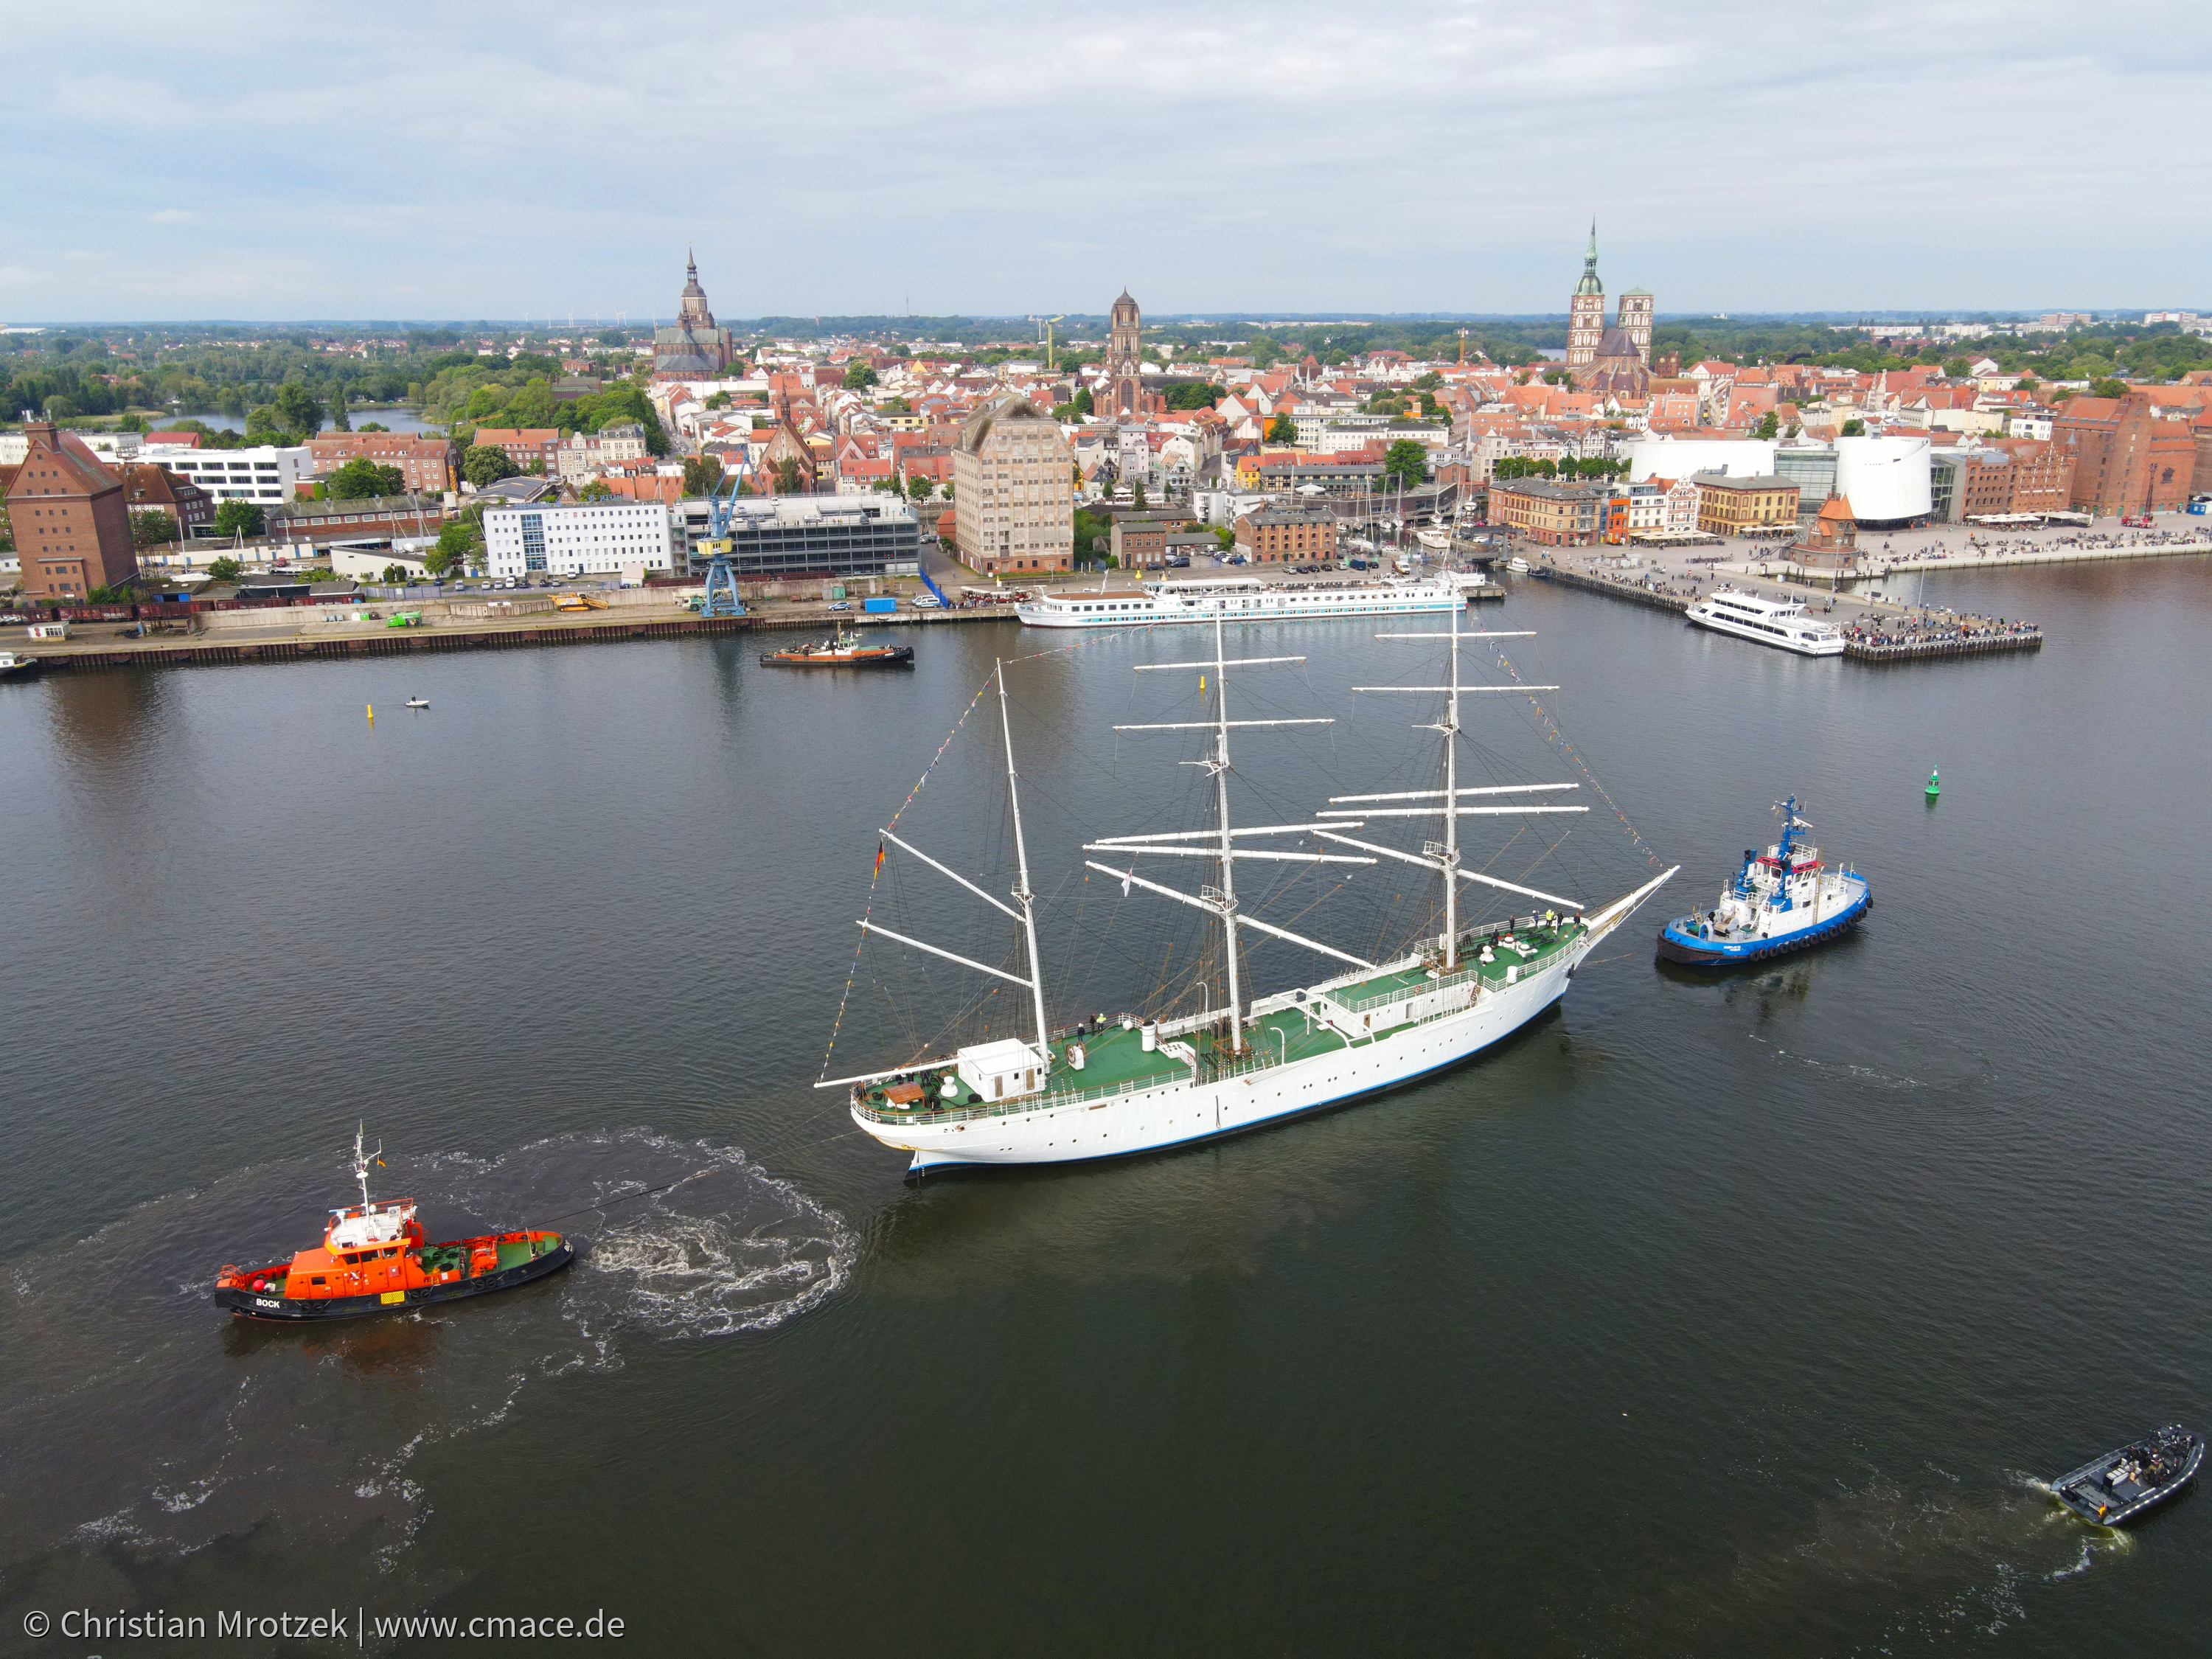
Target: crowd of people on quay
{"points": [[1979, 546], [1935, 627]]}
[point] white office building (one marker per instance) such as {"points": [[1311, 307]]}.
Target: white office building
{"points": [[268, 474], [598, 540]]}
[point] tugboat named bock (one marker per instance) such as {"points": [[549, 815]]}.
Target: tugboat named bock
{"points": [[1782, 900], [372, 1259]]}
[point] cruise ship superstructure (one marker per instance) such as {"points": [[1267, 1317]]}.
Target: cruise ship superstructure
{"points": [[1237, 598]]}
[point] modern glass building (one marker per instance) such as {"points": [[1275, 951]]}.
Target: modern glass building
{"points": [[871, 535], [1813, 472]]}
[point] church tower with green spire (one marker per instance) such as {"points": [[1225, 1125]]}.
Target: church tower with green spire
{"points": [[1586, 311]]}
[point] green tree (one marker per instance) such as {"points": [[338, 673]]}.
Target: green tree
{"points": [[920, 486], [1768, 426], [361, 478], [703, 474], [1854, 428], [240, 519], [339, 423], [1190, 395], [1137, 497], [859, 377], [2108, 388], [225, 569], [481, 464], [439, 562], [1406, 461], [459, 542], [1958, 368], [297, 410], [395, 575], [1281, 430], [1083, 403], [150, 528], [597, 490], [61, 407]]}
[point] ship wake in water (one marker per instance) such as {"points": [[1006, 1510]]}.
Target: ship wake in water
{"points": [[138, 1417]]}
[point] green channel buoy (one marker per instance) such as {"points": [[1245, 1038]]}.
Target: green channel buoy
{"points": [[1934, 786]]}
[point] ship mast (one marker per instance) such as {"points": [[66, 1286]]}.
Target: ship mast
{"points": [[1444, 856], [1219, 898], [1021, 895], [360, 1161]]}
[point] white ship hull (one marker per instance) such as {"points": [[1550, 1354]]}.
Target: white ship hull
{"points": [[1783, 631], [1246, 601], [1179, 1113]]}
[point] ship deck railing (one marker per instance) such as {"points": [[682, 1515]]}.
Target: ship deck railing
{"points": [[1279, 1032]]}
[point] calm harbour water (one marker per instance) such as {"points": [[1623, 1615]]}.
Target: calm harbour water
{"points": [[1705, 1315]]}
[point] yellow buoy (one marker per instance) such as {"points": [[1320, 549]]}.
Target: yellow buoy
{"points": [[372, 713]]}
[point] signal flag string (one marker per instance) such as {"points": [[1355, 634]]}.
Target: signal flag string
{"points": [[1548, 728]]}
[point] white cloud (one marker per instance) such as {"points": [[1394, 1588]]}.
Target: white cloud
{"points": [[981, 155]]}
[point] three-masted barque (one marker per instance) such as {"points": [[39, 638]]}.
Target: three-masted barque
{"points": [[1108, 1088]]}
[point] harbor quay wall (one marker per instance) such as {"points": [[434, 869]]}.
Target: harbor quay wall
{"points": [[1618, 590], [2057, 555], [95, 656]]}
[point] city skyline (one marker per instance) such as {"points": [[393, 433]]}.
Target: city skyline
{"points": [[1447, 164]]}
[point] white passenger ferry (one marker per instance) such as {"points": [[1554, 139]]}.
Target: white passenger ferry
{"points": [[1780, 623], [1236, 598]]}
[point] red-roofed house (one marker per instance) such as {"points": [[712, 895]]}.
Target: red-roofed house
{"points": [[524, 445]]}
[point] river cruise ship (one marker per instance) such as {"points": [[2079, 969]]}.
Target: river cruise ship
{"points": [[1138, 1083], [1779, 623], [1237, 598]]}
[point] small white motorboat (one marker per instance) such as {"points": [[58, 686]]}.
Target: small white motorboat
{"points": [[418, 702], [1519, 566]]}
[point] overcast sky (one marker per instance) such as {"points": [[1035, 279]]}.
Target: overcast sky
{"points": [[482, 160]]}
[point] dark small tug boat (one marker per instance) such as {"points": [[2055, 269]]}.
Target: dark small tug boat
{"points": [[372, 1259], [2112, 1489], [843, 651]]}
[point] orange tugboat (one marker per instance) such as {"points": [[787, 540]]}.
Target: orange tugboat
{"points": [[372, 1259]]}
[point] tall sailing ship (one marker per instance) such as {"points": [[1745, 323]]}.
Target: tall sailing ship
{"points": [[1108, 1088]]}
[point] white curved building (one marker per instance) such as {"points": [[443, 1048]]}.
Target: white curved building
{"points": [[1682, 458], [1886, 480]]}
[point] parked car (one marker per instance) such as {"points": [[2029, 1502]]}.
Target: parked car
{"points": [[841, 604], [926, 602]]}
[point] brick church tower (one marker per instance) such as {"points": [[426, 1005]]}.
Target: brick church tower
{"points": [[1586, 311], [1125, 361]]}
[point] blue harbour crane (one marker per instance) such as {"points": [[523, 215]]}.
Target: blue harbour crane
{"points": [[720, 599]]}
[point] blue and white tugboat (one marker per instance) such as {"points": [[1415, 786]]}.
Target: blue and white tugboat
{"points": [[1782, 900]]}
